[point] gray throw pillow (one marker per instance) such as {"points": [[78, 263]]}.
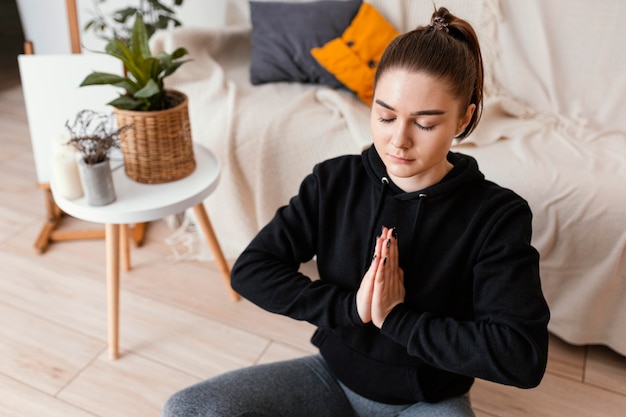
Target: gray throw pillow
{"points": [[283, 35]]}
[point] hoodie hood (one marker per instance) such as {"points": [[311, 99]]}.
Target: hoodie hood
{"points": [[465, 170]]}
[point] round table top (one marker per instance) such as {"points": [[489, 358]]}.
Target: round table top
{"points": [[137, 202]]}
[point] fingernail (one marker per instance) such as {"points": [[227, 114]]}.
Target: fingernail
{"points": [[384, 261], [388, 243]]}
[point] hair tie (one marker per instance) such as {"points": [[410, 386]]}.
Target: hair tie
{"points": [[439, 24]]}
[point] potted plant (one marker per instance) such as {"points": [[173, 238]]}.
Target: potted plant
{"points": [[93, 135], [117, 23], [158, 146]]}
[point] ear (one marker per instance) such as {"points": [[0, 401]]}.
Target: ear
{"points": [[466, 118]]}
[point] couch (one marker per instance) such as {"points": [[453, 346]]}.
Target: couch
{"points": [[553, 130]]}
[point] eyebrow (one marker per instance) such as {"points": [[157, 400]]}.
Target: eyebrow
{"points": [[415, 113]]}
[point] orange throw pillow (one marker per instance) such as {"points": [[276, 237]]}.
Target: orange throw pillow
{"points": [[353, 57]]}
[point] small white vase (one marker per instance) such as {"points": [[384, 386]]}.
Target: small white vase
{"points": [[97, 182]]}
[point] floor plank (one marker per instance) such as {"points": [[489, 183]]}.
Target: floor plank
{"points": [[566, 360], [129, 386], [64, 297], [22, 400], [606, 369], [41, 354], [184, 340], [554, 397], [198, 287]]}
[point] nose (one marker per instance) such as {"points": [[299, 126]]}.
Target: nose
{"points": [[401, 136]]}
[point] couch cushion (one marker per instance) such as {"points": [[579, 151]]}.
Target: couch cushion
{"points": [[353, 57], [283, 34]]}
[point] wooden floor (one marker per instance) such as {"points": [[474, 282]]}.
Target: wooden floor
{"points": [[178, 323]]}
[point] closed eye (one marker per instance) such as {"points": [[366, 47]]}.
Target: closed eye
{"points": [[426, 128], [419, 126]]}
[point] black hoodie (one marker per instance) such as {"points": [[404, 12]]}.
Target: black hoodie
{"points": [[473, 307]]}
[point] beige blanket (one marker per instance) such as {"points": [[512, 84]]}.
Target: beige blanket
{"points": [[257, 132]]}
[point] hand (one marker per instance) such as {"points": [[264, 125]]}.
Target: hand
{"points": [[389, 288], [382, 287], [366, 290]]}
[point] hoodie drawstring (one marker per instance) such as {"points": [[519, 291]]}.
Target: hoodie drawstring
{"points": [[379, 206], [420, 199]]}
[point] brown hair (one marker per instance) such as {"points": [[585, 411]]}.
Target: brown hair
{"points": [[447, 48]]}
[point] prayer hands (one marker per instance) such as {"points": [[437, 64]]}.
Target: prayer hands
{"points": [[382, 287]]}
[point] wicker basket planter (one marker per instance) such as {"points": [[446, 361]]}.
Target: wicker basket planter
{"points": [[158, 147]]}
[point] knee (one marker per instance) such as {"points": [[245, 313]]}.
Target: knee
{"points": [[182, 403]]}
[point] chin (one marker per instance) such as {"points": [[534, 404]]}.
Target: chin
{"points": [[401, 173]]}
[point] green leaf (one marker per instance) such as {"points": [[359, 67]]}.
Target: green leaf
{"points": [[161, 23], [150, 30], [164, 58], [133, 63], [139, 38], [127, 103], [89, 24], [170, 70], [128, 85], [119, 50], [122, 15], [151, 68], [100, 78], [160, 6], [149, 90], [179, 52]]}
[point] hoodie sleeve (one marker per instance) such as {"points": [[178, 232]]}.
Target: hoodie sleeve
{"points": [[267, 271], [507, 339]]}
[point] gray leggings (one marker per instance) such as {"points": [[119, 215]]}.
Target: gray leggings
{"points": [[301, 387]]}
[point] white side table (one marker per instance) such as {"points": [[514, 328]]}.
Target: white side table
{"points": [[138, 203]]}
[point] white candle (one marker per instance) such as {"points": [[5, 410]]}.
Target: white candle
{"points": [[65, 173]]}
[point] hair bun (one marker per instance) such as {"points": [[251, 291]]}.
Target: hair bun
{"points": [[439, 23]]}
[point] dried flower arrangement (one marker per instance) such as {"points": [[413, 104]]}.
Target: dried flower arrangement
{"points": [[93, 134]]}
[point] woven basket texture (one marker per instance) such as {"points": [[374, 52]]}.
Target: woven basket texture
{"points": [[158, 147]]}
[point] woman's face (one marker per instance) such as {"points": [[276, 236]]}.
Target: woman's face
{"points": [[414, 119]]}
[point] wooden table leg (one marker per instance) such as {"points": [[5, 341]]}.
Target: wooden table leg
{"points": [[125, 246], [214, 245], [112, 233], [139, 233]]}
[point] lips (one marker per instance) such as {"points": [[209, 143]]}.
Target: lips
{"points": [[399, 159]]}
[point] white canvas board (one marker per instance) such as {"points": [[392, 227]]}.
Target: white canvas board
{"points": [[52, 96]]}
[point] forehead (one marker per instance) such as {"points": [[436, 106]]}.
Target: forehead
{"points": [[401, 88]]}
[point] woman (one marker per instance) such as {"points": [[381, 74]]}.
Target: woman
{"points": [[427, 275]]}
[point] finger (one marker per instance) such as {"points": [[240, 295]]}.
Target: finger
{"points": [[364, 295], [376, 261], [366, 289], [387, 246], [393, 249]]}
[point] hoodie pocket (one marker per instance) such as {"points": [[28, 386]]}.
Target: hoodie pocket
{"points": [[382, 382]]}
